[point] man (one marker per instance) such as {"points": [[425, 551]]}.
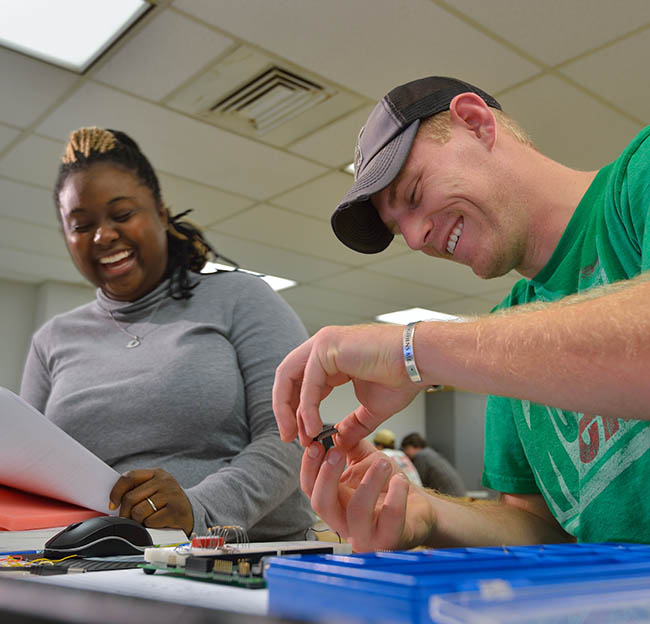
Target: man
{"points": [[566, 438], [435, 471]]}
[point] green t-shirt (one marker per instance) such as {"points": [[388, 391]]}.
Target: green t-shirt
{"points": [[593, 471]]}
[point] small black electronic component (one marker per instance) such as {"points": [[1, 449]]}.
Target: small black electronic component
{"points": [[328, 432]]}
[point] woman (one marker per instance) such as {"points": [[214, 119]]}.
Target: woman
{"points": [[167, 374]]}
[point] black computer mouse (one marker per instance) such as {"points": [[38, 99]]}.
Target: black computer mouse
{"points": [[103, 536]]}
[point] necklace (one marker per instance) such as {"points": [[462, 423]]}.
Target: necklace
{"points": [[136, 340]]}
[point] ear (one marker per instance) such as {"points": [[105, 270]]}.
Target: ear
{"points": [[470, 111], [163, 212]]}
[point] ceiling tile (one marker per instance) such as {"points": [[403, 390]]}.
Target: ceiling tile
{"points": [[38, 267], [395, 43], [317, 198], [440, 273], [283, 102], [34, 159], [274, 202], [29, 87], [334, 144], [626, 89], [568, 125], [264, 258], [561, 29], [398, 293], [314, 318], [362, 307], [207, 203], [290, 231], [187, 147], [29, 237], [150, 65], [7, 135], [27, 203]]}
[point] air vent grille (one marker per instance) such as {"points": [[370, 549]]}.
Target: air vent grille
{"points": [[259, 96], [271, 99]]}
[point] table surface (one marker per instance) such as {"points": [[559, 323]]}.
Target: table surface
{"points": [[165, 587]]}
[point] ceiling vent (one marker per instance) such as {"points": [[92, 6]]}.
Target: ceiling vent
{"points": [[271, 99], [266, 98]]}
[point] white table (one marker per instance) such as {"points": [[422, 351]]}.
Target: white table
{"points": [[165, 587]]}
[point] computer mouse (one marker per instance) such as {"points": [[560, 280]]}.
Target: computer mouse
{"points": [[103, 536]]}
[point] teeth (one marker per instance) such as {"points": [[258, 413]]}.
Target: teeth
{"points": [[114, 258], [453, 237]]}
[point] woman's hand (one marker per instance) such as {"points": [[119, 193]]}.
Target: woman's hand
{"points": [[371, 504], [154, 498]]}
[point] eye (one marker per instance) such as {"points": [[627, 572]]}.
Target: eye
{"points": [[413, 195], [123, 216], [80, 228]]}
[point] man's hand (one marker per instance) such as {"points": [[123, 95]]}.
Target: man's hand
{"points": [[371, 504], [368, 355], [137, 492]]}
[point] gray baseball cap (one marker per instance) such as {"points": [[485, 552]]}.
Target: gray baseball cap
{"points": [[383, 145]]}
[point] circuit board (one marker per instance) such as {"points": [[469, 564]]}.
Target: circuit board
{"points": [[234, 579], [240, 565]]}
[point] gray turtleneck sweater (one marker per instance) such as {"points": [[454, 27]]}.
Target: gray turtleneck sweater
{"points": [[194, 398]]}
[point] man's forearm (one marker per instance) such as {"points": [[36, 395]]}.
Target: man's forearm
{"points": [[490, 523], [584, 354]]}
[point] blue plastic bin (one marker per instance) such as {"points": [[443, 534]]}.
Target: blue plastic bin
{"points": [[449, 586]]}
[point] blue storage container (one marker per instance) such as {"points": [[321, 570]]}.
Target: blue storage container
{"points": [[449, 586]]}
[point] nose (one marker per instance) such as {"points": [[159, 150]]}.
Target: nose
{"points": [[105, 234], [414, 231]]}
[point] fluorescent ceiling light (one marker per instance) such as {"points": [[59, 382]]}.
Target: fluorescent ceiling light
{"points": [[349, 168], [276, 283], [68, 33], [402, 317]]}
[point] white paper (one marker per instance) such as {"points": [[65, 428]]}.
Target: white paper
{"points": [[37, 456]]}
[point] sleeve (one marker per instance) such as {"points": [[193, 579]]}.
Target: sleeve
{"points": [[631, 201], [36, 384], [637, 197], [505, 466], [266, 471]]}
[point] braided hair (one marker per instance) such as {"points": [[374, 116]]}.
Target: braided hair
{"points": [[188, 250]]}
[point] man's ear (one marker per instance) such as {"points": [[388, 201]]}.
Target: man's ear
{"points": [[470, 110]]}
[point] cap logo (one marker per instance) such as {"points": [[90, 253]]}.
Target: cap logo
{"points": [[358, 154]]}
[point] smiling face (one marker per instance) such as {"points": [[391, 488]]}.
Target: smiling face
{"points": [[451, 201], [115, 231]]}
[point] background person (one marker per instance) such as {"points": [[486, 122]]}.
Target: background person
{"points": [[167, 374], [384, 440], [435, 471], [567, 438]]}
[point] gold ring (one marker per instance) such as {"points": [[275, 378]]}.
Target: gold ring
{"points": [[152, 505]]}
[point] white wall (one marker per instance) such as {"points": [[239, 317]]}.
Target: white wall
{"points": [[23, 309], [17, 306], [56, 297], [342, 401]]}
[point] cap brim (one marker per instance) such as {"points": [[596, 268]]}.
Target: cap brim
{"points": [[355, 221]]}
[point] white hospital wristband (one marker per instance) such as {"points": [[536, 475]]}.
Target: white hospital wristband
{"points": [[409, 356]]}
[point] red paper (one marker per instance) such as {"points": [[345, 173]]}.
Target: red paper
{"points": [[20, 511]]}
